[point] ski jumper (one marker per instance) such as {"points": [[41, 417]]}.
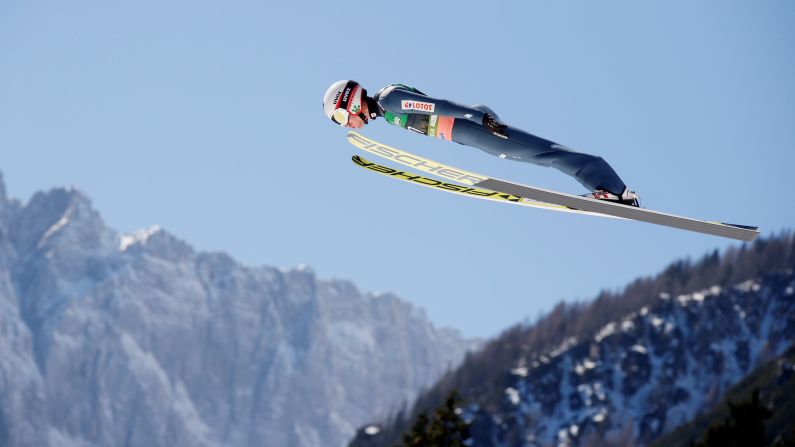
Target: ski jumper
{"points": [[411, 109]]}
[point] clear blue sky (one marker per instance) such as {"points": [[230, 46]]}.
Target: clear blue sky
{"points": [[205, 118]]}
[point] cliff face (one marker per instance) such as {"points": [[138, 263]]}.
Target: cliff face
{"points": [[109, 339]]}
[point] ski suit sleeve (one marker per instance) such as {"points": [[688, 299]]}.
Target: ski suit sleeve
{"points": [[400, 101]]}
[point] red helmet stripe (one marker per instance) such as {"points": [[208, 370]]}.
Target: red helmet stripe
{"points": [[345, 99], [350, 99]]}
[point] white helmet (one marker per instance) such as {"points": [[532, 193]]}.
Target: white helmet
{"points": [[342, 99]]}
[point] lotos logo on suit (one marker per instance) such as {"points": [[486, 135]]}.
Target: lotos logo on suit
{"points": [[418, 105]]}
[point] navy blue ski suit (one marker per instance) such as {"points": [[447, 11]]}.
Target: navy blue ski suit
{"points": [[411, 109]]}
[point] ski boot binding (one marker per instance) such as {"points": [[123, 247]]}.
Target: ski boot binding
{"points": [[629, 198]]}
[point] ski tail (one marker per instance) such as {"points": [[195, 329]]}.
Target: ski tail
{"points": [[744, 227]]}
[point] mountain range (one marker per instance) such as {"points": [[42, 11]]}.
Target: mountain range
{"points": [[137, 339]]}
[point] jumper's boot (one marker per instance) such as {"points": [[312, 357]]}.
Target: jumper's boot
{"points": [[628, 197]]}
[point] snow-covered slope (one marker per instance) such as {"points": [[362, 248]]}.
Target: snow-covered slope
{"points": [[644, 374], [109, 339], [628, 366]]}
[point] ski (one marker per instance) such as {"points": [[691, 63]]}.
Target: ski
{"points": [[739, 232], [443, 171], [463, 190], [508, 192]]}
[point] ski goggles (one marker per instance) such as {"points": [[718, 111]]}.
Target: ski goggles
{"points": [[340, 116]]}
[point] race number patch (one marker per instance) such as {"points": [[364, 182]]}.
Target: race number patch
{"points": [[418, 105]]}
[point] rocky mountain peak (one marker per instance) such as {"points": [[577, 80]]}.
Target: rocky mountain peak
{"points": [[61, 214], [156, 242]]}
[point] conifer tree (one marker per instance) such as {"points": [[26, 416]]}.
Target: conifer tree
{"points": [[744, 426], [419, 432], [445, 429]]}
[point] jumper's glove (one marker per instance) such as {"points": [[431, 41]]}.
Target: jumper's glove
{"points": [[496, 127]]}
